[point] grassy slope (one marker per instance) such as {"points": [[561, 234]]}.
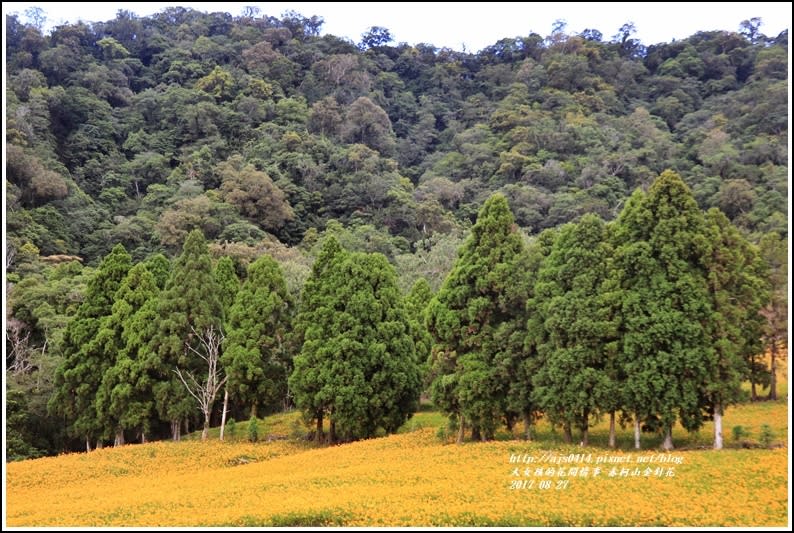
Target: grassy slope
{"points": [[407, 479]]}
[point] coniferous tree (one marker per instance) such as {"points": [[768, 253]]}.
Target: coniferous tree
{"points": [[308, 374], [524, 333], [666, 348], [77, 379], [188, 306], [160, 268], [254, 352], [774, 252], [119, 403], [573, 382], [227, 282], [358, 362], [738, 290], [415, 308], [145, 369], [464, 318], [372, 333]]}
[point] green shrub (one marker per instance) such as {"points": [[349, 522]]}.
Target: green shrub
{"points": [[739, 433], [231, 428], [253, 429], [767, 436]]}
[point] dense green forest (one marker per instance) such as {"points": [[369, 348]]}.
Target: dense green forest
{"points": [[297, 156]]}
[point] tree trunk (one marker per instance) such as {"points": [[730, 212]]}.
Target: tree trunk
{"points": [[225, 408], [667, 445], [475, 433], [567, 436], [636, 432], [585, 426], [461, 430], [527, 427], [206, 430], [319, 433], [253, 410], [87, 444], [718, 426], [99, 444], [176, 426], [331, 430], [612, 429], [187, 426], [753, 395], [773, 377], [143, 437], [119, 440]]}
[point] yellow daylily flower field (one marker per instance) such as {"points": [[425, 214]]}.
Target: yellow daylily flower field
{"points": [[414, 478]]}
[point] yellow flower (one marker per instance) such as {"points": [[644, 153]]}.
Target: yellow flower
{"points": [[408, 479]]}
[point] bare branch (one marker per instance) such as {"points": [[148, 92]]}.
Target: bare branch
{"points": [[11, 254], [18, 338], [189, 388], [209, 350]]}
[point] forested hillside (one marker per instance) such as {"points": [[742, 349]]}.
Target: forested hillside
{"points": [[270, 139]]}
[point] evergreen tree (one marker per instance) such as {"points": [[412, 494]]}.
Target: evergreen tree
{"points": [[464, 318], [160, 268], [738, 291], [416, 302], [118, 404], [227, 282], [254, 353], [78, 377], [666, 348], [374, 336], [573, 382], [308, 374], [143, 369], [358, 362], [774, 252], [188, 306], [518, 357]]}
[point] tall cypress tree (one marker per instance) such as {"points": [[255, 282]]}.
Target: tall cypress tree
{"points": [[308, 375], [254, 353], [143, 368], [358, 362], [666, 349], [573, 382], [78, 377], [518, 356], [464, 318], [187, 307], [117, 404], [227, 282], [738, 290], [375, 369], [160, 268], [774, 252], [416, 302]]}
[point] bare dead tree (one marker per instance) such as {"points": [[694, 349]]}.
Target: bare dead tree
{"points": [[18, 341], [205, 392], [11, 255], [225, 410]]}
